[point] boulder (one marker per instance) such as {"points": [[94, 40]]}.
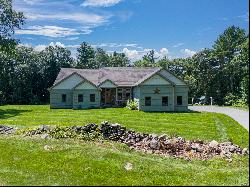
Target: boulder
{"points": [[245, 151], [154, 144], [213, 144]]}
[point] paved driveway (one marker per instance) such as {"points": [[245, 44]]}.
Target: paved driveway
{"points": [[241, 116]]}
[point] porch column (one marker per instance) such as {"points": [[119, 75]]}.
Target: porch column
{"points": [[173, 97]]}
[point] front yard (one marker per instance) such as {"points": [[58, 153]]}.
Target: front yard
{"points": [[24, 161]]}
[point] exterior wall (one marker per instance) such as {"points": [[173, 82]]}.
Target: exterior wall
{"points": [[86, 99], [56, 98], [85, 85], [156, 80], [181, 91], [156, 99], [136, 94], [172, 78], [107, 84], [69, 82]]}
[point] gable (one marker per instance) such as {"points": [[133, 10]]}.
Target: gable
{"points": [[85, 86], [156, 80], [107, 84], [172, 78], [69, 83]]}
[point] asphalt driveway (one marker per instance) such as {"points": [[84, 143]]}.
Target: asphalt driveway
{"points": [[241, 116]]}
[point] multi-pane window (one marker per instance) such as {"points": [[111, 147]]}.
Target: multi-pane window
{"points": [[147, 101], [63, 98], [128, 93], [92, 97], [179, 100], [80, 98], [164, 101], [119, 94]]}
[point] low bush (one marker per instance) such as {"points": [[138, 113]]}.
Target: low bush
{"points": [[132, 105]]}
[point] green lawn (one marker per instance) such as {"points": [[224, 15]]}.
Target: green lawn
{"points": [[23, 161]]}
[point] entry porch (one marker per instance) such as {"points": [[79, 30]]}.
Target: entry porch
{"points": [[115, 97]]}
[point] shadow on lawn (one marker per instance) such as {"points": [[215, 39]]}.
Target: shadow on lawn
{"points": [[8, 113]]}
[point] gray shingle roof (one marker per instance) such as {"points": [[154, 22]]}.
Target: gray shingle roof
{"points": [[121, 76]]}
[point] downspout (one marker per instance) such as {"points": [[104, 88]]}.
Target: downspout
{"points": [[173, 98]]}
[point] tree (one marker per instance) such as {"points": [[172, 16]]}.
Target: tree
{"points": [[225, 48], [241, 72], [118, 60], [148, 60], [86, 57], [54, 58], [101, 59], [9, 18], [201, 71]]}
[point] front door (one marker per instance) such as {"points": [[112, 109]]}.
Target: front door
{"points": [[108, 96]]}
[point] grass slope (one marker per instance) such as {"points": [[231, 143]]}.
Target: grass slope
{"points": [[24, 161]]}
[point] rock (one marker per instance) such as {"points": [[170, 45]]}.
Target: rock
{"points": [[45, 136], [128, 166], [162, 137], [154, 144], [6, 130], [47, 148], [213, 144], [231, 148], [245, 151], [43, 128]]}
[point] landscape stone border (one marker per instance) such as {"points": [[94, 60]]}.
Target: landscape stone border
{"points": [[176, 147]]}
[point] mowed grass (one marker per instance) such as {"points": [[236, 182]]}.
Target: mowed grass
{"points": [[23, 160], [190, 125]]}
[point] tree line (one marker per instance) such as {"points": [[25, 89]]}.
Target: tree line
{"points": [[221, 72]]}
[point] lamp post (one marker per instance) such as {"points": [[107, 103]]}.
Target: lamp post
{"points": [[211, 98]]}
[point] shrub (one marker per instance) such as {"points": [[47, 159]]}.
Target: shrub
{"points": [[132, 105]]}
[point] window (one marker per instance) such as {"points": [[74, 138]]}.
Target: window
{"points": [[147, 101], [164, 101], [128, 93], [92, 98], [119, 94], [63, 98], [80, 98], [179, 100], [127, 96]]}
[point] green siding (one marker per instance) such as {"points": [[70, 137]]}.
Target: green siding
{"points": [[86, 99], [181, 91], [56, 98], [156, 99], [136, 95], [139, 94]]}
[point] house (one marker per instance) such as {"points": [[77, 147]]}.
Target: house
{"points": [[155, 89]]}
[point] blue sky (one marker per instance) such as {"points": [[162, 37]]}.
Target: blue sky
{"points": [[175, 28]]}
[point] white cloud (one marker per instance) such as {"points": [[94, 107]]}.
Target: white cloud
{"points": [[132, 54], [72, 38], [245, 17], [40, 47], [116, 45], [135, 55], [31, 2], [53, 44], [24, 45], [85, 18], [187, 52], [51, 31], [178, 45], [100, 3]]}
